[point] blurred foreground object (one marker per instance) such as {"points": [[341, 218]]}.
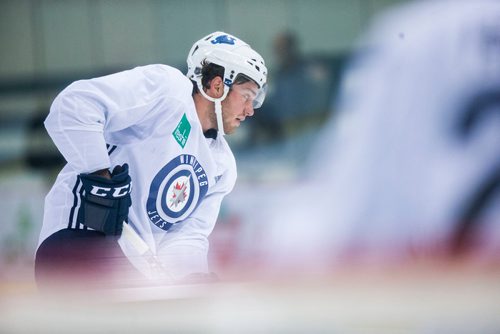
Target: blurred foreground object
{"points": [[410, 166], [407, 300], [412, 163]]}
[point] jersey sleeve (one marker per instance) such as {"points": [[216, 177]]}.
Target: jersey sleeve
{"points": [[87, 110], [184, 249]]}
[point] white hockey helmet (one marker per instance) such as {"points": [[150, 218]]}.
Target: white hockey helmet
{"points": [[234, 55]]}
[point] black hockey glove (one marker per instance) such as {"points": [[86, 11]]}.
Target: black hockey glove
{"points": [[105, 202]]}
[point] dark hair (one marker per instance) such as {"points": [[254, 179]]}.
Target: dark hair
{"points": [[209, 71]]}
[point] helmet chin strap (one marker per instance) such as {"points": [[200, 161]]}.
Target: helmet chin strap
{"points": [[218, 105]]}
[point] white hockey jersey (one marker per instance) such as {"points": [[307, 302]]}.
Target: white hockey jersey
{"points": [[145, 117]]}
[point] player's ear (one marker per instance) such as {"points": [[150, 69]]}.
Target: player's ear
{"points": [[216, 88]]}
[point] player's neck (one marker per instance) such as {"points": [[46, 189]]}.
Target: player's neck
{"points": [[206, 112]]}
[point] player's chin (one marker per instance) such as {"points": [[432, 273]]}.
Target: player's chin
{"points": [[231, 128]]}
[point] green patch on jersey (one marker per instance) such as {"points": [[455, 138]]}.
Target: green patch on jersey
{"points": [[182, 130]]}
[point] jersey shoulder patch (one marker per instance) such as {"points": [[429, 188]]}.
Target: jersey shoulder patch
{"points": [[181, 131]]}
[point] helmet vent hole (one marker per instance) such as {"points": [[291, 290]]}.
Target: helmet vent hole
{"points": [[196, 48]]}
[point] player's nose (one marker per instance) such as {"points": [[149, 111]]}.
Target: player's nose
{"points": [[249, 110]]}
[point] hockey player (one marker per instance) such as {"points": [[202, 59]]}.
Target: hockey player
{"points": [[148, 165]]}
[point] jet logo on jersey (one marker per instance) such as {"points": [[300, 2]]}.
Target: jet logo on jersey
{"points": [[176, 190]]}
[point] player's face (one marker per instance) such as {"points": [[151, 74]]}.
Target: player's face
{"points": [[238, 105]]}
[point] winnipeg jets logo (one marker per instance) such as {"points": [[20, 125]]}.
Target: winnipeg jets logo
{"points": [[223, 39], [179, 193], [176, 191]]}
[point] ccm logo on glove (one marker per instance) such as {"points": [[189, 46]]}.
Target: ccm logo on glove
{"points": [[111, 192]]}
